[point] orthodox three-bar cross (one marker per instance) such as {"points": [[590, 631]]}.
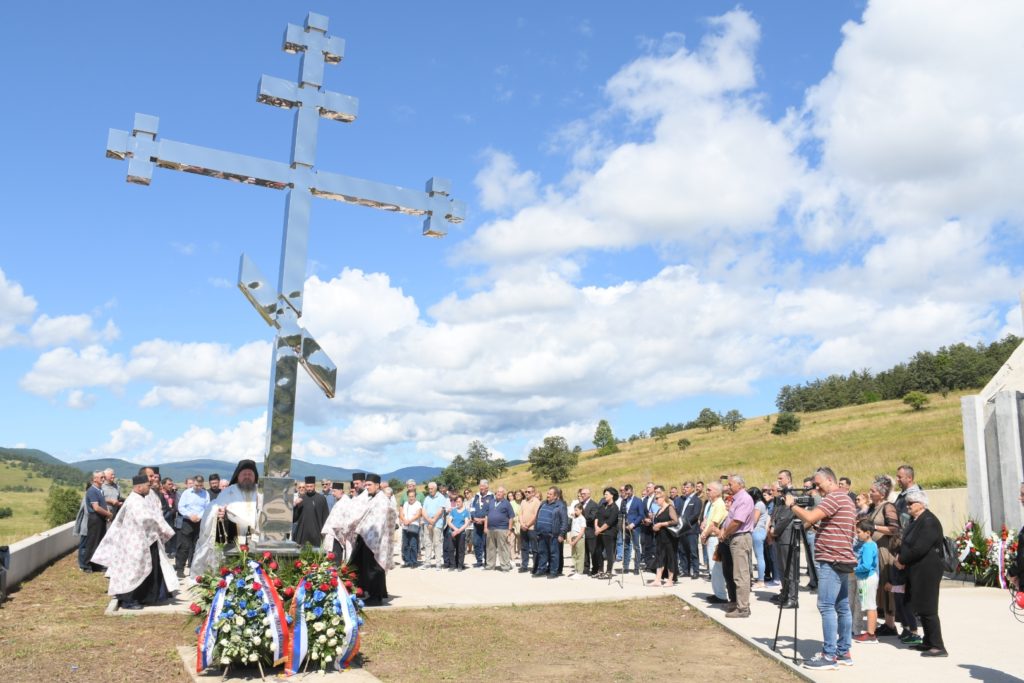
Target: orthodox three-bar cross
{"points": [[282, 307]]}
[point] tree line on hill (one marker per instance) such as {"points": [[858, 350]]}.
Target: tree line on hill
{"points": [[952, 368], [60, 474]]}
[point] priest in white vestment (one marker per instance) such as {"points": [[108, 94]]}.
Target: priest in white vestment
{"points": [[235, 510], [139, 570]]}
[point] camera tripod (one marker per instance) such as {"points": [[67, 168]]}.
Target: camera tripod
{"points": [[791, 564], [622, 531]]}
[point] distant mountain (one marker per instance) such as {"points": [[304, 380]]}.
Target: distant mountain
{"points": [[179, 471], [32, 453]]}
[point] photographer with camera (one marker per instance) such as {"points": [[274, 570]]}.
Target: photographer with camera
{"points": [[787, 534], [836, 517]]}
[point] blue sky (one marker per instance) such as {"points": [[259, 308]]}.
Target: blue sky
{"points": [[678, 206]]}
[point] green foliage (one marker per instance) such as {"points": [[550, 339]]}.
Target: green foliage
{"points": [[708, 420], [732, 420], [18, 488], [683, 444], [952, 368], [395, 484], [785, 423], [478, 463], [553, 461], [6, 512], [604, 439], [62, 504], [916, 399], [60, 473]]}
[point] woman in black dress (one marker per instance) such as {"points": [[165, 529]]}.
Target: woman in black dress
{"points": [[921, 555], [666, 545], [606, 527]]}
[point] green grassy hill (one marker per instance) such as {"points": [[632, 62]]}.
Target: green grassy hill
{"points": [[29, 507], [857, 442]]}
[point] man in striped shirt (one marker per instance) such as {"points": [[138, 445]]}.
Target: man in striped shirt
{"points": [[836, 517]]}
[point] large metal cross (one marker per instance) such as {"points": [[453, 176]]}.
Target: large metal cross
{"points": [[281, 307]]}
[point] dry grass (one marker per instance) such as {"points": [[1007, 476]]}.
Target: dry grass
{"points": [[53, 629], [858, 442]]}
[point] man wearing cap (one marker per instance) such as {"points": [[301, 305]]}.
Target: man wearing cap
{"points": [[138, 569], [214, 480], [367, 522], [310, 514], [235, 511], [357, 483]]}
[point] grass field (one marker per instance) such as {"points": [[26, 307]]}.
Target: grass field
{"points": [[857, 441], [28, 508]]}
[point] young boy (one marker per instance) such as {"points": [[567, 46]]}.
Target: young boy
{"points": [[867, 578], [576, 540]]}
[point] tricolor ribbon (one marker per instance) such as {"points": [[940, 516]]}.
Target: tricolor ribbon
{"points": [[208, 632], [278, 627], [350, 644], [299, 636]]}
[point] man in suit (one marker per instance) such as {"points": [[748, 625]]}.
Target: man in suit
{"points": [[689, 513], [169, 508], [589, 509], [632, 509], [646, 529]]}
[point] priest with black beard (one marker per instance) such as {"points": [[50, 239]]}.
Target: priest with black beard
{"points": [[309, 515], [231, 517]]}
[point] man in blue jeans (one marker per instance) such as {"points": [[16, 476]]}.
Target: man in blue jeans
{"points": [[836, 517], [552, 528], [478, 511]]}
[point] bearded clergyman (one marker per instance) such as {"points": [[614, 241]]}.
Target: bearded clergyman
{"points": [[310, 513], [139, 570], [232, 517], [366, 524]]}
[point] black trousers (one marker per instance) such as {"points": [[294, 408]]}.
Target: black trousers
{"points": [[725, 554], [605, 551], [459, 549], [689, 558], [590, 559], [95, 532], [647, 547], [186, 544], [932, 631]]}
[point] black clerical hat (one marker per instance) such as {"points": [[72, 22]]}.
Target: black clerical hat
{"points": [[245, 465], [375, 478], [311, 479], [140, 479], [338, 486], [358, 476]]}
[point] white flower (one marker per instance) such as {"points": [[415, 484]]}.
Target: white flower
{"points": [[225, 660], [239, 621], [235, 638], [335, 621], [319, 626], [256, 640], [253, 657], [246, 631], [331, 632], [266, 621], [314, 655], [322, 639], [269, 633], [333, 642], [341, 648]]}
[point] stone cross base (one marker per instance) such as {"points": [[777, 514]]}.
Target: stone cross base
{"points": [[993, 434]]}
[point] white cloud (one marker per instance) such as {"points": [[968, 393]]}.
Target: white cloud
{"points": [[15, 308], [64, 368], [79, 400], [502, 186], [65, 329], [247, 439], [128, 437]]}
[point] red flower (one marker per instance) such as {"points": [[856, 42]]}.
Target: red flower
{"points": [[273, 566], [224, 571], [196, 609], [348, 585], [330, 556], [222, 584], [257, 586], [199, 579], [314, 566], [267, 555], [298, 564], [324, 587], [277, 582], [359, 592], [243, 548], [334, 582], [289, 592]]}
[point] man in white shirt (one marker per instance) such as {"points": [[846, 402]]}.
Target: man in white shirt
{"points": [[410, 517]]}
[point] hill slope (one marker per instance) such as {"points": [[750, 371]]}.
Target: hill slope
{"points": [[858, 442]]}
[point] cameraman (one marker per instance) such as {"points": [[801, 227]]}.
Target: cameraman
{"points": [[786, 533], [836, 517]]}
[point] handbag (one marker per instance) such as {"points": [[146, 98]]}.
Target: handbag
{"points": [[676, 529]]}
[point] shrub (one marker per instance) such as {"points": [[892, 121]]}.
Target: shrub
{"points": [[785, 423], [62, 504]]}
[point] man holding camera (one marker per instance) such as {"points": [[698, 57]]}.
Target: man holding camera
{"points": [[786, 534], [836, 517]]}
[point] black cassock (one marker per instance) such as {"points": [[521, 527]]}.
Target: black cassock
{"points": [[309, 520], [370, 576]]}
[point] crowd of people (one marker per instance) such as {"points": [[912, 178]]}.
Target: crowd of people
{"points": [[874, 559]]}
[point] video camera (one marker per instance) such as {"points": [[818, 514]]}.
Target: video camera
{"points": [[801, 496]]}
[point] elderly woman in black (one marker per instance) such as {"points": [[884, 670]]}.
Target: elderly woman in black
{"points": [[921, 555], [606, 526], [665, 543]]}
